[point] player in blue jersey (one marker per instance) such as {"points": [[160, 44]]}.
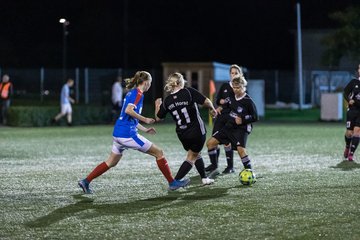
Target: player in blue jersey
{"points": [[182, 104], [125, 134]]}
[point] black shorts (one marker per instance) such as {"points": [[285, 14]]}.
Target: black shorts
{"points": [[219, 122], [352, 119], [193, 143], [237, 137]]}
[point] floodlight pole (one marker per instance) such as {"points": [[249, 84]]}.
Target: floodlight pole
{"points": [[300, 66], [125, 35], [65, 23]]}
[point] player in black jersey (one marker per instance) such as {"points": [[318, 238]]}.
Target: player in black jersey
{"points": [[222, 98], [238, 123], [352, 133], [182, 104]]}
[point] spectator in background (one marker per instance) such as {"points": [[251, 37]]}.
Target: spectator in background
{"points": [[65, 101], [116, 98], [6, 91]]}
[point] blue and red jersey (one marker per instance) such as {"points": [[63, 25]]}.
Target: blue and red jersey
{"points": [[125, 126]]}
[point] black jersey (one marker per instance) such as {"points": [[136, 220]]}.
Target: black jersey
{"points": [[182, 105], [225, 92], [245, 108], [352, 92]]}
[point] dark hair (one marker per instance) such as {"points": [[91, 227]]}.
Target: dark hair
{"points": [[137, 79]]}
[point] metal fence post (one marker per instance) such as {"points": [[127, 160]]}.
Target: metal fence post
{"points": [[77, 79], [276, 85], [86, 78], [42, 76]]}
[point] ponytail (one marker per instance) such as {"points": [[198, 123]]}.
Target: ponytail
{"points": [[137, 79], [173, 81]]}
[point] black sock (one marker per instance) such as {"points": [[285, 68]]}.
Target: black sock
{"points": [[229, 156], [213, 157], [200, 167], [183, 170], [354, 144], [246, 162], [217, 152], [347, 141]]}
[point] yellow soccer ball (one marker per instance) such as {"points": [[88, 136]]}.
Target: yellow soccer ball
{"points": [[247, 177]]}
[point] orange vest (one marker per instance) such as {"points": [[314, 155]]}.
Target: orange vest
{"points": [[5, 89]]}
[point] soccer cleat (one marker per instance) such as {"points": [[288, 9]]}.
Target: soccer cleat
{"points": [[207, 181], [210, 168], [350, 157], [214, 173], [176, 184], [346, 152], [228, 170], [84, 185]]}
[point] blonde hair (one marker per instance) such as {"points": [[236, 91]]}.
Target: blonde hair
{"points": [[239, 81], [173, 81], [237, 67], [137, 79]]}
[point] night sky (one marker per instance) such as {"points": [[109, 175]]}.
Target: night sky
{"points": [[253, 33]]}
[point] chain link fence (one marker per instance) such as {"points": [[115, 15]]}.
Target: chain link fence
{"points": [[93, 85]]}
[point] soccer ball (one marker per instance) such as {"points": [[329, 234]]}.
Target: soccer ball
{"points": [[247, 177]]}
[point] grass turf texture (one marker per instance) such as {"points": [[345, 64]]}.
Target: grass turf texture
{"points": [[304, 188]]}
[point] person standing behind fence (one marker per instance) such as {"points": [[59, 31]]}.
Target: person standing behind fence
{"points": [[65, 102], [116, 98], [6, 91], [352, 133]]}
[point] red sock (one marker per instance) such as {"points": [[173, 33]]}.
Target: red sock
{"points": [[100, 169], [164, 168]]}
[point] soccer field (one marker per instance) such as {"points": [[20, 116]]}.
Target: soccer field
{"points": [[304, 188]]}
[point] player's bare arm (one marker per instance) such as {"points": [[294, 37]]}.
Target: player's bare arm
{"points": [[150, 130], [238, 120], [210, 105], [71, 99], [130, 111], [158, 103]]}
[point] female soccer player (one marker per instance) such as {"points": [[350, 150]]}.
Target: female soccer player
{"points": [[352, 134], [238, 122], [222, 99], [182, 104], [125, 134]]}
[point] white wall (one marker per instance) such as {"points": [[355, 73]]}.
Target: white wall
{"points": [[256, 90]]}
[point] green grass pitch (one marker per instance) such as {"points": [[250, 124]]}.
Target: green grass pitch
{"points": [[304, 188]]}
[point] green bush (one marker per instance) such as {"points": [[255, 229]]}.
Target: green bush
{"points": [[39, 116]]}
